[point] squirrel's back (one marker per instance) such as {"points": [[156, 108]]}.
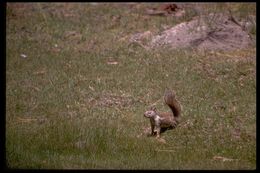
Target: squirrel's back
{"points": [[172, 102]]}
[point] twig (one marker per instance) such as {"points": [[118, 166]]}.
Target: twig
{"points": [[233, 19], [26, 120]]}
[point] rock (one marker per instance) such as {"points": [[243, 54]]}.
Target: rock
{"points": [[212, 32]]}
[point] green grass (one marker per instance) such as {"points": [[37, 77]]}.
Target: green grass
{"points": [[66, 108]]}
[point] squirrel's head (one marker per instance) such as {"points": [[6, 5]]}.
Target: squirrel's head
{"points": [[151, 113]]}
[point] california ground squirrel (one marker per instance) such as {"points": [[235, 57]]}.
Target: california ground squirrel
{"points": [[165, 119]]}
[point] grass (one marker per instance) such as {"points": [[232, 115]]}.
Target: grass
{"points": [[67, 108]]}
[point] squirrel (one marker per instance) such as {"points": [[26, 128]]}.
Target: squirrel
{"points": [[162, 120]]}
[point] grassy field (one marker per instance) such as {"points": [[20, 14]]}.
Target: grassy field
{"points": [[76, 91]]}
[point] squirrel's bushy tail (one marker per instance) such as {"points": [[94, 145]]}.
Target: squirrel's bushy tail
{"points": [[172, 102]]}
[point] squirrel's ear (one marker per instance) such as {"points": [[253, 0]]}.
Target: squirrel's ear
{"points": [[154, 109]]}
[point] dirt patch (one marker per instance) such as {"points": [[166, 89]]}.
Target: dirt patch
{"points": [[109, 100], [212, 32]]}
